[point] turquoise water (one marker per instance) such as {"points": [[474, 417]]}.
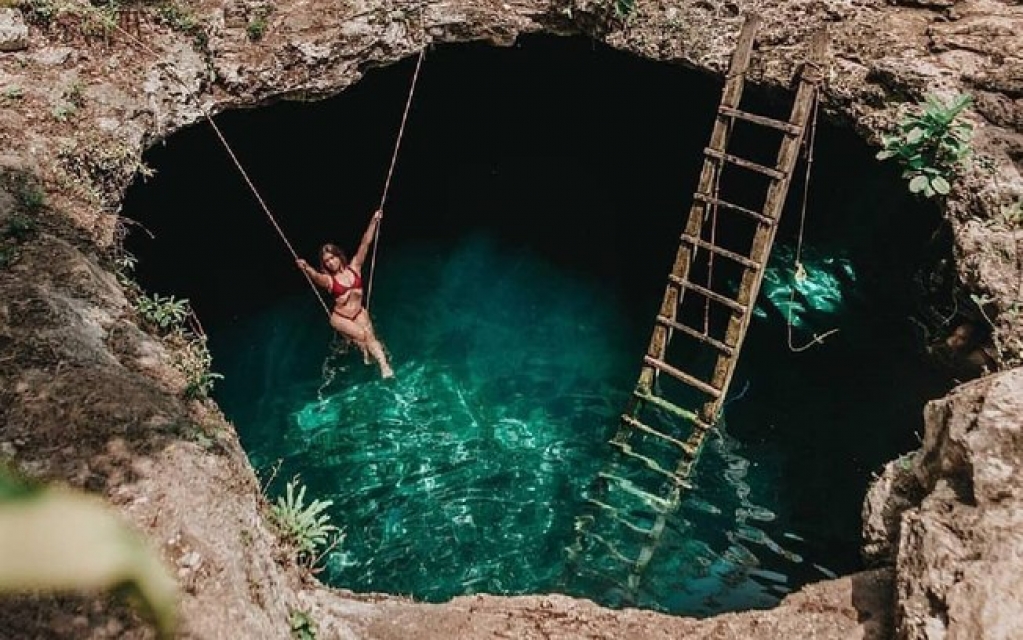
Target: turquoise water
{"points": [[465, 473]]}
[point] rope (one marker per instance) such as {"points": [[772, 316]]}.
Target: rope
{"points": [[220, 136], [800, 273], [390, 173]]}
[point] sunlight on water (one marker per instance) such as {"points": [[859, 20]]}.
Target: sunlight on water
{"points": [[464, 474]]}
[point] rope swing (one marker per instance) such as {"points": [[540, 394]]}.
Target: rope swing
{"points": [[390, 174], [192, 94]]}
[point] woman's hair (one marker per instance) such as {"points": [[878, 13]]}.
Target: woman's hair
{"points": [[332, 250]]}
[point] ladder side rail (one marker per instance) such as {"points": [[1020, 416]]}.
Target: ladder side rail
{"points": [[749, 289], [731, 95], [763, 238]]}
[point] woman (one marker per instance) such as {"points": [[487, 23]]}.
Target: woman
{"points": [[344, 281]]}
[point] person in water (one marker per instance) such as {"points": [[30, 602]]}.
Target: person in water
{"points": [[343, 279]]}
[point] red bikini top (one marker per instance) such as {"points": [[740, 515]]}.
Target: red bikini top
{"points": [[339, 289]]}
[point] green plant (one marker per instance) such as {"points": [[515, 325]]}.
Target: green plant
{"points": [[125, 264], [304, 525], [164, 312], [13, 92], [624, 8], [1010, 216], [931, 144], [303, 627], [256, 28], [73, 94], [6, 257], [39, 12], [183, 21], [194, 360], [19, 227], [100, 19], [63, 112], [31, 196]]}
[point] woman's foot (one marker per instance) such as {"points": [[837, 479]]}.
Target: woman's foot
{"points": [[386, 372]]}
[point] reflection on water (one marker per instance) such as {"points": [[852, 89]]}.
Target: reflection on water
{"points": [[466, 472]]}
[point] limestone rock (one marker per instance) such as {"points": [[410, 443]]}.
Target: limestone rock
{"points": [[13, 30]]}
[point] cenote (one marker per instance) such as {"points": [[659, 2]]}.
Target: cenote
{"points": [[532, 220]]}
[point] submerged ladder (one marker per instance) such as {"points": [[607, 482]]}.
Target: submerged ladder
{"points": [[659, 440]]}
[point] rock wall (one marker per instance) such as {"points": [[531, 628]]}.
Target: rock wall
{"points": [[88, 399]]}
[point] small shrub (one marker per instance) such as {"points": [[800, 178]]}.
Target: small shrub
{"points": [[19, 227], [39, 12], [13, 92], [73, 94], [124, 264], [183, 21], [64, 111], [624, 8], [194, 360], [303, 525], [256, 28], [1010, 216], [931, 145], [163, 312], [303, 627]]}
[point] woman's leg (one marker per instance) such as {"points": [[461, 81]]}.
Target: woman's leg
{"points": [[374, 346], [360, 331]]}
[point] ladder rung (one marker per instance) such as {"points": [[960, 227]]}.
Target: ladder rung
{"points": [[647, 396], [781, 125], [628, 486], [745, 164], [702, 337], [684, 377], [613, 514], [756, 215], [652, 464], [636, 424], [713, 295], [615, 553], [713, 248]]}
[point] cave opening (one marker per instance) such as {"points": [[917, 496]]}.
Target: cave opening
{"points": [[533, 217]]}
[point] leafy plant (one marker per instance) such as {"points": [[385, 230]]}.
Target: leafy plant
{"points": [[303, 525], [624, 8], [74, 95], [164, 312], [1010, 216], [30, 195], [63, 541], [124, 263], [931, 144], [256, 28], [303, 627], [12, 92], [19, 227], [39, 12], [182, 20], [194, 360], [64, 111]]}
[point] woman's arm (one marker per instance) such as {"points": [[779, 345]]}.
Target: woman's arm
{"points": [[367, 238], [322, 279]]}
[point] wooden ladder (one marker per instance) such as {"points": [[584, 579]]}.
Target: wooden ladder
{"points": [[659, 439]]}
